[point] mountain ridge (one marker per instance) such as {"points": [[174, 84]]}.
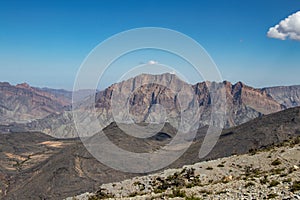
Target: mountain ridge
{"points": [[244, 103], [23, 103]]}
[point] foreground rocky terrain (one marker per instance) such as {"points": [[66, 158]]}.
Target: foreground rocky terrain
{"points": [[271, 173], [36, 166]]}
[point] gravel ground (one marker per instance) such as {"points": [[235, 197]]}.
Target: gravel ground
{"points": [[267, 174]]}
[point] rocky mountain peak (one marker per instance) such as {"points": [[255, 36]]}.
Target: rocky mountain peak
{"points": [[23, 85], [2, 84]]}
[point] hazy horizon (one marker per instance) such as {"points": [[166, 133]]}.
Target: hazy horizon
{"points": [[99, 89]]}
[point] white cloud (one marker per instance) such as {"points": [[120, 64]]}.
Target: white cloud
{"points": [[289, 28], [152, 62]]}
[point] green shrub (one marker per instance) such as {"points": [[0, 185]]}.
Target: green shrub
{"points": [[249, 184], [295, 186], [277, 170], [192, 198], [221, 192], [100, 194], [252, 151], [177, 193], [288, 180], [276, 162], [133, 194], [157, 190], [271, 196], [205, 192], [291, 170], [273, 183], [264, 180]]}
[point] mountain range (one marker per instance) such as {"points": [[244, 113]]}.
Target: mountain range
{"points": [[22, 103], [54, 117]]}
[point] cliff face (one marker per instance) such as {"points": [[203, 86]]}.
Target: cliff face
{"points": [[243, 102], [22, 103], [288, 96]]}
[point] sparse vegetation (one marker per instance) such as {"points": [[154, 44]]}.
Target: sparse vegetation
{"points": [[221, 192], [157, 190], [272, 195], [101, 194], [192, 198], [253, 151], [277, 171], [252, 172], [133, 194], [178, 184], [205, 191], [264, 180], [276, 162], [283, 175], [288, 180], [291, 170], [296, 186], [274, 183], [177, 193], [248, 184]]}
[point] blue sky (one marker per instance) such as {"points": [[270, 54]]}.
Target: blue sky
{"points": [[44, 43]]}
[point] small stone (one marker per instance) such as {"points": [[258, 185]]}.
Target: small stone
{"points": [[296, 196]]}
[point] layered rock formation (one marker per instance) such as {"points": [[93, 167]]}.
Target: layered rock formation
{"points": [[158, 98], [145, 98], [22, 103], [288, 96]]}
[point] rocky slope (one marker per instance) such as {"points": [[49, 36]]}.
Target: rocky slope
{"points": [[37, 166], [22, 103], [271, 173]]}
